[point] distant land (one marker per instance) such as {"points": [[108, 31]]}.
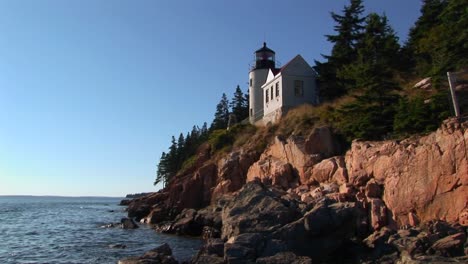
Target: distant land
{"points": [[59, 196]]}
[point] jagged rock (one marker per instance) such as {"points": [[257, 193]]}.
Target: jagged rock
{"points": [[373, 190], [211, 252], [185, 224], [141, 207], [322, 230], [291, 151], [328, 170], [243, 248], [284, 258], [208, 174], [157, 215], [450, 246], [128, 223], [324, 218], [232, 172], [377, 241], [378, 213], [272, 171], [421, 175], [255, 209], [322, 141], [159, 255]]}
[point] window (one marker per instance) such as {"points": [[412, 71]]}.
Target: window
{"points": [[251, 112], [298, 88], [271, 91], [250, 82], [277, 89], [266, 96]]}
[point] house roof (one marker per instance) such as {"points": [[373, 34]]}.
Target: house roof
{"points": [[274, 73], [286, 65]]}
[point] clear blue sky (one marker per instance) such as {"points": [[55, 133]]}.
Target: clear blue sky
{"points": [[91, 91]]}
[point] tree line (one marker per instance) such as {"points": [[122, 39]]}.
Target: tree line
{"points": [[185, 147], [368, 64]]}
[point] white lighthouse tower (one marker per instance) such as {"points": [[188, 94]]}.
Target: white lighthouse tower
{"points": [[264, 61]]}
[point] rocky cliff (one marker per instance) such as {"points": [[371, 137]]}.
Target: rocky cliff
{"points": [[374, 186]]}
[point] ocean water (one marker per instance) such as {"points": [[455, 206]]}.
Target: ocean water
{"points": [[68, 230]]}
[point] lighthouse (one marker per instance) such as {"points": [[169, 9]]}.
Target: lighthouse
{"points": [[274, 91], [264, 61]]}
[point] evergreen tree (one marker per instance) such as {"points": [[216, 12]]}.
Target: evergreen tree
{"points": [[439, 40], [239, 105], [221, 118], [417, 48], [180, 150], [370, 116], [162, 170], [349, 31], [172, 159]]}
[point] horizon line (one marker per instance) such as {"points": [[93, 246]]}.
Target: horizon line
{"points": [[59, 196]]}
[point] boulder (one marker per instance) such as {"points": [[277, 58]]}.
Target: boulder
{"points": [[450, 246], [330, 170], [272, 171], [256, 209], [128, 223], [157, 215], [140, 207], [185, 224], [159, 255], [336, 219], [322, 230], [243, 248], [377, 241], [377, 213]]}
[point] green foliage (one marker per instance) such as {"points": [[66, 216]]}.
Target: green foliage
{"points": [[221, 118], [417, 115], [370, 116], [438, 41], [189, 162], [239, 105], [348, 30], [220, 138]]}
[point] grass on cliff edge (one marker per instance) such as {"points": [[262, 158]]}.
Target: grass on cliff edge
{"points": [[240, 136]]}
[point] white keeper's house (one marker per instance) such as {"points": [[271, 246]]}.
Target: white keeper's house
{"points": [[273, 91]]}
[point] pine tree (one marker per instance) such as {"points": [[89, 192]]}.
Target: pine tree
{"points": [[172, 159], [421, 36], [221, 118], [162, 173], [370, 116], [349, 31], [239, 105], [180, 150]]}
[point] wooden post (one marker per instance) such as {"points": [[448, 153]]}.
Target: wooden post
{"points": [[454, 96]]}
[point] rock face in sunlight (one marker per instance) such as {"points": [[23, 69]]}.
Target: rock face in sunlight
{"points": [[424, 178], [384, 201]]}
